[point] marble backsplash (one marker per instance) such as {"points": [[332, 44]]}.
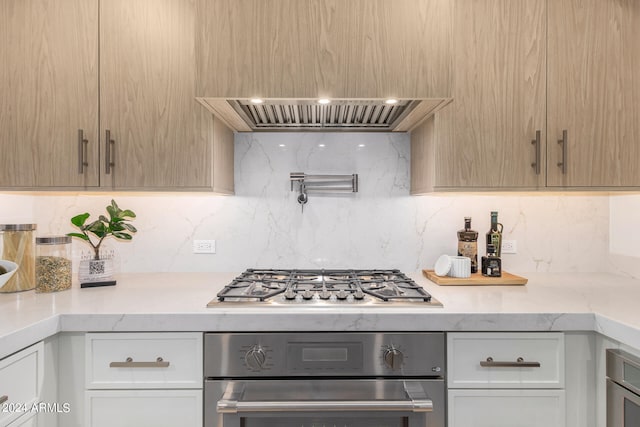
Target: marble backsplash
{"points": [[624, 227], [381, 226]]}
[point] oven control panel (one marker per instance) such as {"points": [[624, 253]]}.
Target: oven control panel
{"points": [[324, 354]]}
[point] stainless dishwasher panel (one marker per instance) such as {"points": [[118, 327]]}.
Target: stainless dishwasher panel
{"points": [[623, 389]]}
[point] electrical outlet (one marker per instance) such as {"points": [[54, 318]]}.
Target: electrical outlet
{"points": [[509, 247], [204, 246]]}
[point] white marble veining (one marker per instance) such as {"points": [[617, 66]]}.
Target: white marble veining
{"points": [[380, 226], [604, 303]]}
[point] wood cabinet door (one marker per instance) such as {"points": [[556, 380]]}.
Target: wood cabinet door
{"points": [[594, 93], [48, 90], [147, 97], [499, 74], [324, 48]]}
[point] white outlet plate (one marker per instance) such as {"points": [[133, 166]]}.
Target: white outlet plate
{"points": [[204, 246], [509, 247]]}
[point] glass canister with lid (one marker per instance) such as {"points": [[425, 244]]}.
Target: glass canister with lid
{"points": [[17, 245], [53, 263]]}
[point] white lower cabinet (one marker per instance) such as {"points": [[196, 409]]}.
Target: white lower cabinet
{"points": [[506, 379], [157, 408], [30, 420], [143, 379], [21, 376], [506, 408]]}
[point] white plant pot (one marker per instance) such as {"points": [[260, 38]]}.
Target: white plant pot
{"points": [[96, 272]]}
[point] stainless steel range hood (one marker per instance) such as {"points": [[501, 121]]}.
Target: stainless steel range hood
{"points": [[358, 115]]}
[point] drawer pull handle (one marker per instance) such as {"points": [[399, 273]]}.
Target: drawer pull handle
{"points": [[129, 363], [3, 399], [519, 363]]}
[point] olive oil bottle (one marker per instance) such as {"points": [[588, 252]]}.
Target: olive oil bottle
{"points": [[468, 244], [494, 235]]}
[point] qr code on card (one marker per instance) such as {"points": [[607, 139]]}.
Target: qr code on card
{"points": [[96, 268]]}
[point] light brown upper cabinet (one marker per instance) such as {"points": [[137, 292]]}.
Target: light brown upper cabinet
{"points": [[48, 92], [324, 48], [499, 95], [526, 71], [155, 133], [483, 139], [594, 93], [133, 59]]}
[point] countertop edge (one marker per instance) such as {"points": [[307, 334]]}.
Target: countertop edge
{"points": [[357, 321]]}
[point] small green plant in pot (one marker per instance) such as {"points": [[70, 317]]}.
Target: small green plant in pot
{"points": [[99, 272]]}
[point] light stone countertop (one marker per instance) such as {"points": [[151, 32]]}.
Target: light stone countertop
{"points": [[600, 302]]}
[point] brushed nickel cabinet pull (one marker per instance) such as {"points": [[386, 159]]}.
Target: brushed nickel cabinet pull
{"points": [[536, 142], [564, 142], [3, 399], [519, 363], [109, 143], [82, 151], [129, 363]]}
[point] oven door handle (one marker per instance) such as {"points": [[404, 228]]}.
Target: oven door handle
{"points": [[416, 401], [234, 406]]}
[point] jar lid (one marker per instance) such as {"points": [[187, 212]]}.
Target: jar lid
{"points": [[53, 240], [442, 265], [17, 227]]}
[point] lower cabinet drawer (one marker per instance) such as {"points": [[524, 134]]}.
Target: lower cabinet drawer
{"points": [[505, 360], [157, 408], [506, 408], [21, 377], [143, 360]]}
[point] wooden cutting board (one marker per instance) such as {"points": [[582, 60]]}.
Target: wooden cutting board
{"points": [[476, 279]]}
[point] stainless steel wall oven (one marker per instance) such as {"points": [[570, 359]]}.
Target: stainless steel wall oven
{"points": [[623, 389], [324, 379]]}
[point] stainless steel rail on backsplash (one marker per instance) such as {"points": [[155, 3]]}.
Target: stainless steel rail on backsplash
{"points": [[322, 183]]}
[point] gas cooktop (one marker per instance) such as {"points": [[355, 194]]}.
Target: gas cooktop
{"points": [[323, 287]]}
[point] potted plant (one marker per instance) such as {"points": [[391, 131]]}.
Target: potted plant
{"points": [[99, 271]]}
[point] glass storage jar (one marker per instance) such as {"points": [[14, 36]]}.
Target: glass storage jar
{"points": [[17, 245], [53, 263]]}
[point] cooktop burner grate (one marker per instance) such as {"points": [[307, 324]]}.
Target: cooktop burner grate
{"points": [[322, 285]]}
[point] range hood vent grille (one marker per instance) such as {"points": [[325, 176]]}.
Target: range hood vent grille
{"points": [[354, 115]]}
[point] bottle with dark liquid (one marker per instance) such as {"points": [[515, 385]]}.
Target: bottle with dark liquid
{"points": [[468, 244], [494, 235]]}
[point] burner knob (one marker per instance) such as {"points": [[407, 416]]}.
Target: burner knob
{"points": [[255, 358], [289, 294], [393, 358]]}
